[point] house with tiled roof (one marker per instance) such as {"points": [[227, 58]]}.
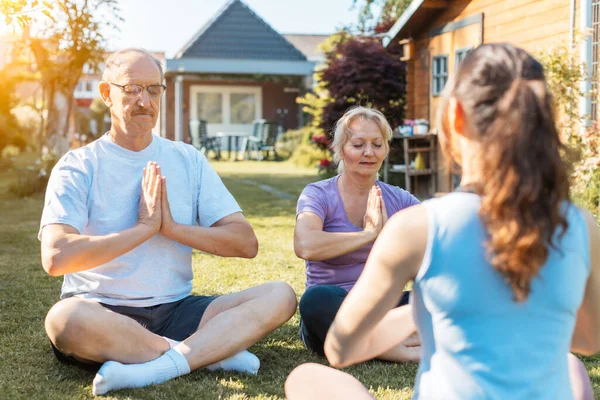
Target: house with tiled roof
{"points": [[236, 69], [308, 44]]}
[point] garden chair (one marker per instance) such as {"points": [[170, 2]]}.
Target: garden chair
{"points": [[201, 140], [270, 132], [252, 143], [263, 138]]}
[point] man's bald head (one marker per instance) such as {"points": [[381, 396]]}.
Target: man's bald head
{"points": [[119, 61]]}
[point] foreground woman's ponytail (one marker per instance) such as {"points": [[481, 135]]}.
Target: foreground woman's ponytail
{"points": [[523, 178]]}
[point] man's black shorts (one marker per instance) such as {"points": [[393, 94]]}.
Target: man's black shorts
{"points": [[177, 320]]}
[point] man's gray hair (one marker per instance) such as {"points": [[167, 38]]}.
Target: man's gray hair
{"points": [[115, 62]]}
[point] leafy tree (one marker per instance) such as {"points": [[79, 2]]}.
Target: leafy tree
{"points": [[63, 47], [564, 73], [360, 71], [98, 111], [9, 128], [389, 14], [20, 11], [314, 102]]}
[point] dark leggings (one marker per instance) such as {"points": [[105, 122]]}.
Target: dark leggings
{"points": [[318, 307]]}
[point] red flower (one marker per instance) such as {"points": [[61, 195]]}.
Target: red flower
{"points": [[324, 163]]}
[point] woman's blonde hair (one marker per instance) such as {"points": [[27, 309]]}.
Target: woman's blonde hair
{"points": [[342, 131]]}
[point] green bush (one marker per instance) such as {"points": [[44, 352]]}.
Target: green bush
{"points": [[292, 139], [586, 177], [33, 179], [564, 74], [308, 155]]}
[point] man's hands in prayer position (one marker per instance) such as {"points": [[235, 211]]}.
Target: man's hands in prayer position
{"points": [[150, 199], [155, 211]]}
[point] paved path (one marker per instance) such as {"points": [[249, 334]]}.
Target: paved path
{"points": [[270, 189]]}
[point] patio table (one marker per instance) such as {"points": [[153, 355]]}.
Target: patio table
{"points": [[230, 137]]}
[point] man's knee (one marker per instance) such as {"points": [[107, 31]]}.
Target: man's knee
{"points": [[318, 302], [65, 321], [284, 297]]}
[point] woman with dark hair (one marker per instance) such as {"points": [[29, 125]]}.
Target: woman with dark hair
{"points": [[506, 270]]}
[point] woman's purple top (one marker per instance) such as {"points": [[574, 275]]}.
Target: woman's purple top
{"points": [[323, 199]]}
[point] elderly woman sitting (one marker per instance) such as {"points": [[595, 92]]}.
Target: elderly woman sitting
{"points": [[338, 220]]}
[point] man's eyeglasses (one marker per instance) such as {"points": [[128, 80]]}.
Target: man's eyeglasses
{"points": [[136, 90]]}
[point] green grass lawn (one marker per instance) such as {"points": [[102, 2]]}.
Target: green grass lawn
{"points": [[28, 369]]}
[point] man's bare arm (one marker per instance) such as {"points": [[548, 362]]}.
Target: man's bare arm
{"points": [[65, 251], [231, 236]]}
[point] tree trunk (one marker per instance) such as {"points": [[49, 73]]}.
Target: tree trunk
{"points": [[42, 128], [57, 139]]}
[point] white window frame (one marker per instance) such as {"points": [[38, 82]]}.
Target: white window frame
{"points": [[225, 92]]}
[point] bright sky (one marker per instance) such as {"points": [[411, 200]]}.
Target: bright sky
{"points": [[159, 25]]}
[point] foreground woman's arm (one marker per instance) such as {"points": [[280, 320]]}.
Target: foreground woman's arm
{"points": [[364, 326]]}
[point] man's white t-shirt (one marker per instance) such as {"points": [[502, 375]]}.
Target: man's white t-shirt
{"points": [[96, 189]]}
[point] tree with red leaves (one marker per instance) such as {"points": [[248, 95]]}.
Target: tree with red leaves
{"points": [[360, 71]]}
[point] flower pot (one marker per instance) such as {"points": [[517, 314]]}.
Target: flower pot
{"points": [[421, 129], [406, 130]]}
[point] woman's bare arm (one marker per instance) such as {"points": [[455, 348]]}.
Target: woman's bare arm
{"points": [[364, 326]]}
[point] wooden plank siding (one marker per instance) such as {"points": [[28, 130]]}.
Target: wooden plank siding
{"points": [[418, 82], [534, 25]]}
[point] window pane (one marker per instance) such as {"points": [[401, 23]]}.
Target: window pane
{"points": [[210, 107], [436, 66], [444, 65], [243, 108]]}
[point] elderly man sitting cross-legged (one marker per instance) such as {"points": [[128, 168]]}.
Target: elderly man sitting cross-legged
{"points": [[125, 249]]}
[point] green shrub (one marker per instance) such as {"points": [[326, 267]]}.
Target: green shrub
{"points": [[586, 178], [292, 139], [564, 74], [10, 151], [33, 179], [308, 155]]}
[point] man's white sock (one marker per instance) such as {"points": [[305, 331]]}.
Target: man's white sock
{"points": [[241, 362], [172, 342], [114, 375]]}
